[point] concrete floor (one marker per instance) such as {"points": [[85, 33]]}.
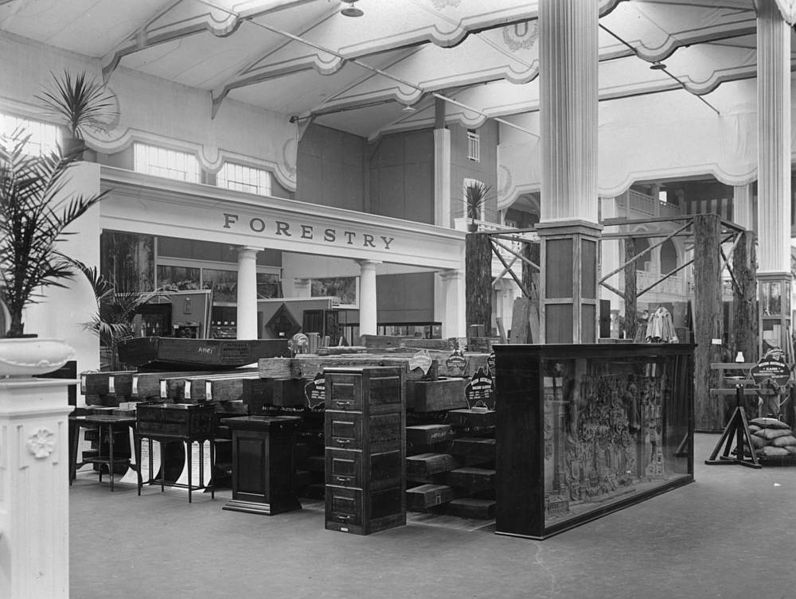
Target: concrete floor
{"points": [[730, 534]]}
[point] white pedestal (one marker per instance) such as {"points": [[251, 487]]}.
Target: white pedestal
{"points": [[34, 488]]}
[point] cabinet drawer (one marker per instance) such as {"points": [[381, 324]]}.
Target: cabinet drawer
{"points": [[343, 430], [344, 467], [351, 468], [344, 505], [344, 392]]}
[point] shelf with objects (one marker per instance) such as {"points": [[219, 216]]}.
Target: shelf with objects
{"points": [[584, 430]]}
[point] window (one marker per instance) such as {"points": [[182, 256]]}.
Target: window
{"points": [[344, 288], [244, 178], [43, 137], [473, 146], [161, 162]]}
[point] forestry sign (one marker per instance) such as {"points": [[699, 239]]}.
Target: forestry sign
{"points": [[310, 232]]}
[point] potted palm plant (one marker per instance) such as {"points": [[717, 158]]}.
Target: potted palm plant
{"points": [[35, 212], [475, 195], [113, 322], [79, 103]]}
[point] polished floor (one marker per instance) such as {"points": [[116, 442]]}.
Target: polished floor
{"points": [[730, 534]]}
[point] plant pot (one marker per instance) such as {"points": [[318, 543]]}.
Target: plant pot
{"points": [[31, 356], [472, 227]]}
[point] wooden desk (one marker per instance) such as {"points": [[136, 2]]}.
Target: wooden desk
{"points": [[263, 464], [188, 423], [109, 423]]}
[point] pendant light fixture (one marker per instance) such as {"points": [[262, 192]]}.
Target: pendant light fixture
{"points": [[351, 10]]}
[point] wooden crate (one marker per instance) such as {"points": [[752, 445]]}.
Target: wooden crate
{"points": [[436, 396]]}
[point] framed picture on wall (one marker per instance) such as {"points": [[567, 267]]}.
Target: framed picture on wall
{"points": [[346, 289]]}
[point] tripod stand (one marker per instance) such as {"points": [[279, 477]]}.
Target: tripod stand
{"points": [[737, 430]]}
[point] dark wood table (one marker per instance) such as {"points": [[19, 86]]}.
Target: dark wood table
{"points": [[263, 464], [184, 423], [109, 423]]}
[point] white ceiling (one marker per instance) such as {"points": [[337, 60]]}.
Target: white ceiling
{"points": [[304, 58]]}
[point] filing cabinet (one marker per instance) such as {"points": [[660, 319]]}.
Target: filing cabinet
{"points": [[364, 431]]}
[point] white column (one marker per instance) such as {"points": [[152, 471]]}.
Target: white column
{"points": [[568, 109], [34, 489], [442, 178], [367, 297], [742, 207], [453, 315], [247, 293], [774, 139]]}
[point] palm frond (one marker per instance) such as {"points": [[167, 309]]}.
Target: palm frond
{"points": [[79, 102]]}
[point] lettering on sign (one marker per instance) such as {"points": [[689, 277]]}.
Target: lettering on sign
{"points": [[480, 392], [333, 235], [456, 363], [421, 360], [315, 392], [772, 368]]}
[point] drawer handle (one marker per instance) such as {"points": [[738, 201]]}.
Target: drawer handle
{"points": [[344, 403], [343, 517], [343, 441], [343, 479]]}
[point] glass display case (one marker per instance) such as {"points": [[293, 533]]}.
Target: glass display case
{"points": [[584, 430]]}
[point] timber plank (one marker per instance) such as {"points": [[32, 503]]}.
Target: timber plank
{"points": [[436, 396], [474, 450], [422, 437], [480, 509], [471, 479], [422, 467], [427, 496]]}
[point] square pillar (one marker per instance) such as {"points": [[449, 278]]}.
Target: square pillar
{"points": [[34, 488], [568, 306]]}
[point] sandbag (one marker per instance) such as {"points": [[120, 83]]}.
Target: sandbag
{"points": [[759, 442], [769, 423], [772, 433], [771, 452], [784, 441]]}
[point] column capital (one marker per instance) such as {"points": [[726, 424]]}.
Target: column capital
{"points": [[364, 263], [244, 249], [450, 274]]}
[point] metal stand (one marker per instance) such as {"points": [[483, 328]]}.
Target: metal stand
{"points": [[738, 429]]}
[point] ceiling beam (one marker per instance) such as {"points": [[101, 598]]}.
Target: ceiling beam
{"points": [[153, 33]]}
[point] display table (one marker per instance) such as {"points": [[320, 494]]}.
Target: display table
{"points": [[188, 423], [104, 423], [263, 464]]}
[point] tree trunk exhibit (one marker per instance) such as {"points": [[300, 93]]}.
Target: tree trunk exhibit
{"points": [[708, 323], [630, 289], [478, 281], [744, 317]]}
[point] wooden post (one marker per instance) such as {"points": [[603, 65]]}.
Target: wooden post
{"points": [[478, 281], [744, 317], [708, 322], [630, 289]]}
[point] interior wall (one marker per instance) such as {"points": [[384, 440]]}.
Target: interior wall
{"points": [[401, 171], [330, 167], [153, 110], [485, 170]]}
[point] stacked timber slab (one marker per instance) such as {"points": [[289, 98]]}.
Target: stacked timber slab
{"points": [[450, 464]]}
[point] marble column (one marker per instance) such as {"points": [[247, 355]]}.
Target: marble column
{"points": [[774, 173], [568, 112], [247, 293], [34, 489], [452, 311], [442, 168], [367, 297]]}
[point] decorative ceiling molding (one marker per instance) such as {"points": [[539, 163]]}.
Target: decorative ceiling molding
{"points": [[788, 10]]}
